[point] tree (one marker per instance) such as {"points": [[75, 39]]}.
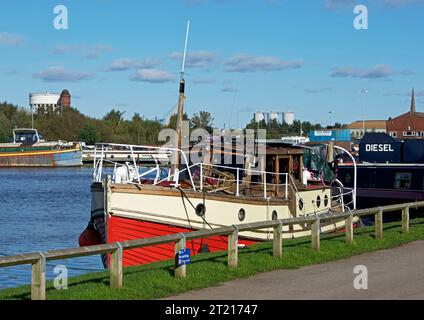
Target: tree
{"points": [[173, 120], [114, 117], [88, 134], [203, 120]]}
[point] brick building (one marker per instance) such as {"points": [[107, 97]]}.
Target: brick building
{"points": [[409, 125], [359, 128]]}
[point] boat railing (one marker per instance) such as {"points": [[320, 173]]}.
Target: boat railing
{"points": [[132, 167], [99, 159], [201, 177]]}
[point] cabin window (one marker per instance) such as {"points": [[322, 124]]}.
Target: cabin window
{"points": [[403, 181], [274, 215], [301, 204], [326, 201], [318, 201]]}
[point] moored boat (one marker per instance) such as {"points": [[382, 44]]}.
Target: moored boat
{"points": [[265, 182], [29, 149]]}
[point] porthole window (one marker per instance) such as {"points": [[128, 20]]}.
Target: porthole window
{"points": [[326, 200], [200, 209], [242, 214], [318, 201], [274, 215], [301, 204]]}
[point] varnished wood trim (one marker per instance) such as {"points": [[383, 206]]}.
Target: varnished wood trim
{"points": [[149, 190]]}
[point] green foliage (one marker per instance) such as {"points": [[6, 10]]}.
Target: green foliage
{"points": [[202, 120], [88, 134], [72, 125], [173, 121]]}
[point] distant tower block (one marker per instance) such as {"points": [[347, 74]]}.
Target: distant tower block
{"points": [[288, 118]]}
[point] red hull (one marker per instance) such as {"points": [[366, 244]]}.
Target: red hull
{"points": [[122, 229]]}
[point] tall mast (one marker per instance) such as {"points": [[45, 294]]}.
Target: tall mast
{"points": [[181, 100]]}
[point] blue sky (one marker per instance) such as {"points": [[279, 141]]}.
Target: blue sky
{"points": [[244, 55]]}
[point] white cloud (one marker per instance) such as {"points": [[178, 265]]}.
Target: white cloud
{"points": [[197, 59], [152, 76], [249, 63], [60, 74], [401, 3], [11, 39], [124, 64], [87, 51], [376, 72], [336, 4]]}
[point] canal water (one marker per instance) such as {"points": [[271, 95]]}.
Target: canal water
{"points": [[44, 209]]}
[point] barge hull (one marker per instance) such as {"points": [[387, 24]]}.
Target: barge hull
{"points": [[61, 158], [121, 229]]}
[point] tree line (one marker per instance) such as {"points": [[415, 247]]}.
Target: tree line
{"points": [[72, 125]]}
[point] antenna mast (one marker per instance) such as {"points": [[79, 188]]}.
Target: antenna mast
{"points": [[185, 51], [181, 99]]}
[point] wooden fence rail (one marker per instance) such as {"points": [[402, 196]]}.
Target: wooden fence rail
{"points": [[38, 260]]}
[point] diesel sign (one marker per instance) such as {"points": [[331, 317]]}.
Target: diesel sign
{"points": [[379, 148]]}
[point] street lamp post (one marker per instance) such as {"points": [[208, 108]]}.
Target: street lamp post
{"points": [[363, 92]]}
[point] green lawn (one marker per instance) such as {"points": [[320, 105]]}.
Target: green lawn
{"points": [[157, 281]]}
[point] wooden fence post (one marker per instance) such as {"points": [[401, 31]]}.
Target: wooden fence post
{"points": [[405, 220], [278, 241], [116, 271], [180, 271], [379, 224], [316, 234], [233, 248], [349, 229], [38, 279]]}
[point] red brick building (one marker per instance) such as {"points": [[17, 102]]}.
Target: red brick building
{"points": [[409, 125]]}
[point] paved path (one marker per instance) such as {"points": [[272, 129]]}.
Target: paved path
{"points": [[393, 274]]}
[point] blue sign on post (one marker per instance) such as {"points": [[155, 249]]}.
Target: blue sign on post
{"points": [[184, 257]]}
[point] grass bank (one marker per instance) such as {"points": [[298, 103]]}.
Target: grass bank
{"points": [[156, 280]]}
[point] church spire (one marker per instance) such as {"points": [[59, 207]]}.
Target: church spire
{"points": [[413, 101]]}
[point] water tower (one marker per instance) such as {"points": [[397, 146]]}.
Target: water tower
{"points": [[288, 118], [259, 116], [273, 116], [44, 102]]}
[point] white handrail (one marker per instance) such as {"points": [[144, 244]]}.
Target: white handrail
{"points": [[355, 169], [144, 147]]}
